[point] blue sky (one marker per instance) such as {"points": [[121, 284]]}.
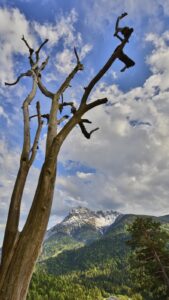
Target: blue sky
{"points": [[125, 165]]}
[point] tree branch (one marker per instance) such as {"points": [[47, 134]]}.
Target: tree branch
{"points": [[27, 45], [28, 73], [66, 83], [36, 139], [37, 51], [27, 102], [11, 231], [44, 90], [44, 64], [77, 56], [76, 119], [96, 103], [86, 121], [30, 50], [61, 105], [84, 131], [102, 71]]}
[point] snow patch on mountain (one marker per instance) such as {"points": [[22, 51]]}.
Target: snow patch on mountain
{"points": [[82, 216]]}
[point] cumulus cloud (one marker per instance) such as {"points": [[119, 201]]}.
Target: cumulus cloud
{"points": [[102, 11], [13, 24], [132, 163], [83, 175], [64, 31]]}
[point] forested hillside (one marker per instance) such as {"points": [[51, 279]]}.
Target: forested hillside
{"points": [[94, 271]]}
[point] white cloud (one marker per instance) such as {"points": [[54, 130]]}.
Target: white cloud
{"points": [[99, 12], [83, 175], [65, 60], [13, 25], [64, 31], [132, 163]]}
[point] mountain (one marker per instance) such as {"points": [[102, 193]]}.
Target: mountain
{"points": [[80, 227], [83, 226], [80, 219], [87, 253]]}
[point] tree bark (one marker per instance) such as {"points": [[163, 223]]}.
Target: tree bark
{"points": [[11, 232], [21, 250], [17, 278]]}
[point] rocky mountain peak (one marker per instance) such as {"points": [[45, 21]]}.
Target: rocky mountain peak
{"points": [[82, 217]]}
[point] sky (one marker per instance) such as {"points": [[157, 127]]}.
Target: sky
{"points": [[125, 164]]}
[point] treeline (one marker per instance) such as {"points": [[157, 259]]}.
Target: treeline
{"points": [[90, 285], [133, 265]]}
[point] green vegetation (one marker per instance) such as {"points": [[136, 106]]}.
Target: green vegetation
{"points": [[55, 246], [100, 270], [150, 259]]}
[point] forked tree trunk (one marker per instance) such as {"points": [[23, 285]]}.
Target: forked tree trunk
{"points": [[16, 281], [21, 250], [13, 218]]}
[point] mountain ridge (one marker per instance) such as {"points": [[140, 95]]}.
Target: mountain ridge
{"points": [[81, 216]]}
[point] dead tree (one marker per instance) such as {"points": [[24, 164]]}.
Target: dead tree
{"points": [[126, 33], [21, 249]]}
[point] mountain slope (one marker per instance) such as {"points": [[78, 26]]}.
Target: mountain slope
{"points": [[111, 245], [81, 227], [96, 270]]}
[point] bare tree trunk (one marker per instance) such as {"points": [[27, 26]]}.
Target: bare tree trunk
{"points": [[11, 232], [17, 278], [21, 250]]}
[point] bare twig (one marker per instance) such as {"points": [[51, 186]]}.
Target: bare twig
{"points": [[62, 119], [37, 135], [44, 63], [61, 105], [28, 73], [37, 51], [66, 83], [26, 43], [86, 121], [85, 132], [96, 103], [45, 116], [30, 51], [27, 102], [102, 71], [77, 57], [44, 90]]}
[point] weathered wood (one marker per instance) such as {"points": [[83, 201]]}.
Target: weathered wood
{"points": [[20, 250]]}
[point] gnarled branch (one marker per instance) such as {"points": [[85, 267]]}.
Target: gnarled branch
{"points": [[26, 43], [28, 73], [30, 50], [77, 56], [44, 64], [40, 47], [44, 90], [66, 83], [102, 71], [27, 102], [37, 135], [61, 105], [84, 131]]}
